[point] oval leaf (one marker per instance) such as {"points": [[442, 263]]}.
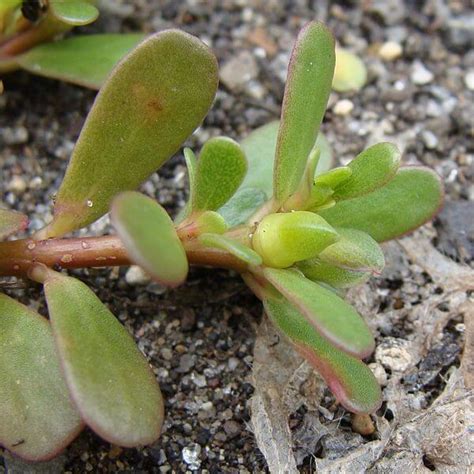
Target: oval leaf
{"points": [[355, 251], [317, 270], [38, 419], [242, 206], [149, 237], [11, 221], [409, 200], [285, 238], [74, 12], [220, 170], [306, 95], [330, 315], [150, 104], [351, 381], [350, 72], [371, 169], [235, 248], [109, 379], [84, 60]]}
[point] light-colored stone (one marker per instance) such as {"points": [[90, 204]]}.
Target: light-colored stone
{"points": [[420, 75], [390, 50], [343, 107], [238, 71], [191, 455], [136, 276], [393, 354], [469, 80]]}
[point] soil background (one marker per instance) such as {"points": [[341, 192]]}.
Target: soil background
{"points": [[230, 409]]}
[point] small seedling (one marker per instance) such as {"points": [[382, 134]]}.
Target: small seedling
{"points": [[299, 236]]}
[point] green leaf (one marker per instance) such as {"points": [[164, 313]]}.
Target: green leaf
{"points": [[235, 248], [355, 251], [149, 237], [84, 60], [259, 148], [74, 12], [10, 222], [330, 315], [371, 169], [285, 238], [351, 381], [242, 206], [350, 72], [334, 178], [316, 270], [38, 419], [220, 170], [306, 95], [109, 379], [406, 202], [150, 104]]}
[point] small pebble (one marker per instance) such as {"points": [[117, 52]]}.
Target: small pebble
{"points": [[362, 424], [429, 139], [390, 50], [469, 80], [420, 75], [379, 373], [136, 276], [393, 354], [343, 107], [14, 136], [238, 71], [17, 184], [191, 456]]}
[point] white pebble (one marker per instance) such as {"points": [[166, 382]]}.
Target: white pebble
{"points": [[469, 80], [191, 455], [393, 353], [390, 50], [17, 184], [136, 276], [429, 139], [420, 75], [343, 107]]}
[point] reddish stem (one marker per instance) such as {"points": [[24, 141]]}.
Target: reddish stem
{"points": [[18, 256]]}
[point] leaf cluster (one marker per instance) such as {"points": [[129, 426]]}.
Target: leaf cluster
{"points": [[298, 231]]}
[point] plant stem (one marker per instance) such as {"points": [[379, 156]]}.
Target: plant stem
{"points": [[18, 256]]}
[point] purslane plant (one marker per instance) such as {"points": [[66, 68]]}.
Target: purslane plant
{"points": [[298, 233], [27, 31]]}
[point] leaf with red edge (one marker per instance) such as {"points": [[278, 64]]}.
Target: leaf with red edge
{"points": [[406, 202], [330, 315], [37, 417], [109, 379], [150, 238], [307, 89], [350, 380]]}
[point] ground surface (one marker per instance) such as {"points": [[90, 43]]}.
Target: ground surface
{"points": [[200, 338]]}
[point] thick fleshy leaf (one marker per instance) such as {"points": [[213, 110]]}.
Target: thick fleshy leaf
{"points": [[109, 379], [242, 206], [317, 270], [259, 148], [355, 250], [285, 238], [335, 319], [406, 202], [334, 178], [37, 417], [84, 60], [350, 72], [11, 221], [306, 95], [199, 223], [74, 12], [235, 248], [371, 169], [351, 381], [149, 236], [220, 170], [149, 105]]}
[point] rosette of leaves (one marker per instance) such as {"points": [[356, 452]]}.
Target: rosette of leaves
{"points": [[30, 39], [270, 208]]}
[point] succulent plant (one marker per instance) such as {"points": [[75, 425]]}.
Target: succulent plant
{"points": [[270, 208]]}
